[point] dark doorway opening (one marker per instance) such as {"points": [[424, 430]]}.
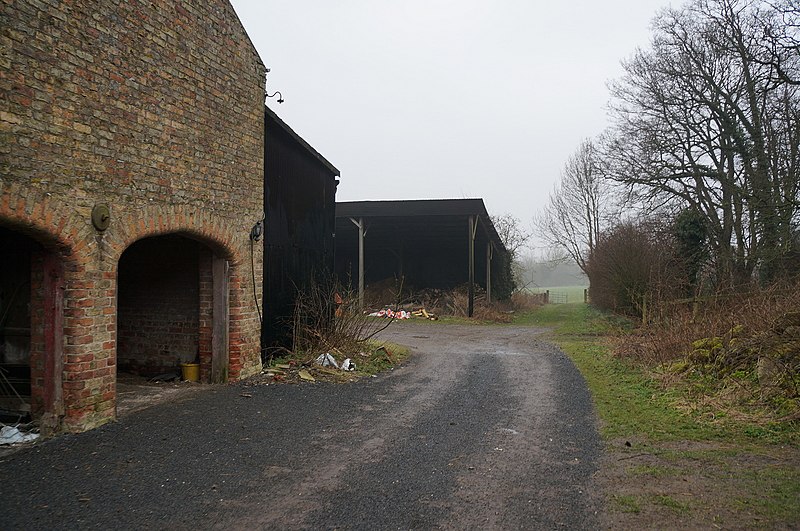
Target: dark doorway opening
{"points": [[15, 323], [159, 310]]}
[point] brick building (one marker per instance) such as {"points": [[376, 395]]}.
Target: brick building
{"points": [[131, 172]]}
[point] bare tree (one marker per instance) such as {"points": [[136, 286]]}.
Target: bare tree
{"points": [[514, 238], [573, 218], [511, 233], [704, 119]]}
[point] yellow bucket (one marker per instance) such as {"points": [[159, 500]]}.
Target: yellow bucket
{"points": [[191, 372]]}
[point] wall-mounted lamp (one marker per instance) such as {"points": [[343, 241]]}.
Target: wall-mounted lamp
{"points": [[257, 231], [277, 92]]}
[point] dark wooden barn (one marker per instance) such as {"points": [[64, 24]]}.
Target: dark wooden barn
{"points": [[299, 202], [437, 243]]}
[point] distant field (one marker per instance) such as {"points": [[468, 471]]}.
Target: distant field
{"points": [[572, 293]]}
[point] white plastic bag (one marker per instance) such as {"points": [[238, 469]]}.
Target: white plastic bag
{"points": [[326, 360]]}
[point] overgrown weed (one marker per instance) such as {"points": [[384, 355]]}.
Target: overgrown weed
{"points": [[735, 357]]}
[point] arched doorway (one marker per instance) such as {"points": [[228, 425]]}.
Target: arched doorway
{"points": [[171, 309], [31, 330]]}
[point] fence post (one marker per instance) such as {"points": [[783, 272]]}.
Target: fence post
{"points": [[547, 297], [586, 295], [644, 310]]}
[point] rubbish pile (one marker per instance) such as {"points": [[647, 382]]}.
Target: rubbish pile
{"points": [[326, 367], [388, 313]]}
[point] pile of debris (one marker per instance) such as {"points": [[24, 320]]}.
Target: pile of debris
{"points": [[324, 367], [388, 313]]}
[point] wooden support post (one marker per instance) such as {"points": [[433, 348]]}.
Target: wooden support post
{"points": [[361, 264], [471, 259], [361, 234], [53, 288], [488, 271], [220, 320]]}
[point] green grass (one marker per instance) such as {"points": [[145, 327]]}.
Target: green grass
{"points": [[627, 504], [379, 362], [573, 293], [671, 503], [750, 460], [628, 401]]}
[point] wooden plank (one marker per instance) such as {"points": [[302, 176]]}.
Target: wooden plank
{"points": [[220, 320], [53, 337], [361, 264]]}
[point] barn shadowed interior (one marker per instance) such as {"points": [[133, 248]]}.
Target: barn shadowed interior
{"points": [[159, 304]]}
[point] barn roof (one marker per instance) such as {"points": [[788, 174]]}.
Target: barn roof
{"points": [[424, 219], [270, 116]]}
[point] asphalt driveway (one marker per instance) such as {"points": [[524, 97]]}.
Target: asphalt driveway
{"points": [[484, 427]]}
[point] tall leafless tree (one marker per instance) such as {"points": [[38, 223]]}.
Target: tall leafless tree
{"points": [[704, 119], [574, 215]]}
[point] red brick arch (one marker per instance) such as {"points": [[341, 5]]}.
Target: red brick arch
{"points": [[74, 367], [36, 215], [54, 272], [160, 220], [216, 235]]}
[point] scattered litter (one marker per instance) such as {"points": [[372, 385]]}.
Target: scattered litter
{"points": [[12, 435], [305, 375], [283, 366], [246, 395], [422, 312], [348, 365], [388, 313], [326, 360]]}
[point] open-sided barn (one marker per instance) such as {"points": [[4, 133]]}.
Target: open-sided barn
{"points": [[431, 243]]}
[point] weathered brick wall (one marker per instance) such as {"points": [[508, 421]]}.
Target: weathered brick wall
{"points": [[154, 108]]}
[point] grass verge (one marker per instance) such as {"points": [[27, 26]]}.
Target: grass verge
{"points": [[662, 461]]}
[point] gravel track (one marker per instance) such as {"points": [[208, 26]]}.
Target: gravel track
{"points": [[484, 427]]}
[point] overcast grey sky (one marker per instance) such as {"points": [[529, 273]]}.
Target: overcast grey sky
{"points": [[422, 99]]}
